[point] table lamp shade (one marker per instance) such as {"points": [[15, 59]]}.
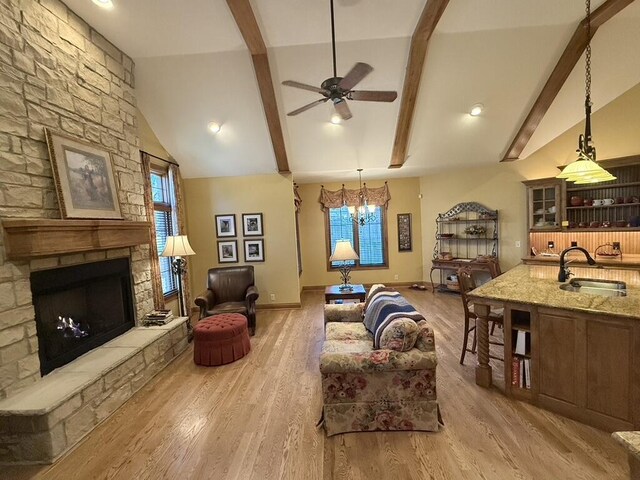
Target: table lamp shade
{"points": [[343, 251], [177, 246]]}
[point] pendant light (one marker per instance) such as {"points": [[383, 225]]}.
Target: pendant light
{"points": [[585, 170]]}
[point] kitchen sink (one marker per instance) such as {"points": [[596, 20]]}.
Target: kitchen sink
{"points": [[605, 288]]}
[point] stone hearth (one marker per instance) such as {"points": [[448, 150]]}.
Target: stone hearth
{"points": [[44, 421]]}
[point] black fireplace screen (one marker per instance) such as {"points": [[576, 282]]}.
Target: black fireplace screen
{"points": [[79, 308]]}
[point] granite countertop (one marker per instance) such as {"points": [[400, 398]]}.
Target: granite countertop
{"points": [[629, 440], [538, 285]]}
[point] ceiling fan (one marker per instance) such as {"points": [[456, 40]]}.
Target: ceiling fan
{"points": [[339, 89]]}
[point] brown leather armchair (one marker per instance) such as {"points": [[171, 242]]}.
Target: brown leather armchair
{"points": [[230, 290]]}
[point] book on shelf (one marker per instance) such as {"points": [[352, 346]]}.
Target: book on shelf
{"points": [[515, 372], [527, 373], [521, 342]]}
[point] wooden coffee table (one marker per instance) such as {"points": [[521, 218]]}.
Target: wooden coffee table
{"points": [[333, 292]]}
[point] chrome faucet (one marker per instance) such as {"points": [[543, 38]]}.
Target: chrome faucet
{"points": [[565, 273]]}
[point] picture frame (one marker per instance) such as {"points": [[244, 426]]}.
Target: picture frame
{"points": [[83, 177], [252, 225], [404, 232], [226, 225], [227, 251], [254, 250]]}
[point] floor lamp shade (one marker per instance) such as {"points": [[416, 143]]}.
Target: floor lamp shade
{"points": [[177, 246]]}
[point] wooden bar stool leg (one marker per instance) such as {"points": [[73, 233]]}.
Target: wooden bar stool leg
{"points": [[466, 339]]}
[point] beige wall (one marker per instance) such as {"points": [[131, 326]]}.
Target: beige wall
{"points": [[407, 265], [498, 186], [271, 195], [148, 141]]}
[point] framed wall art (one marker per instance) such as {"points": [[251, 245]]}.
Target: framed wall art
{"points": [[83, 176], [227, 251], [252, 224], [404, 232], [226, 225], [254, 250]]}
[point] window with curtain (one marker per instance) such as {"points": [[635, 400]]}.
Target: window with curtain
{"points": [[369, 240], [163, 216]]}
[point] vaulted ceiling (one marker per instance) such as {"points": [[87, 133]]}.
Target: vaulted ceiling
{"points": [[193, 67]]}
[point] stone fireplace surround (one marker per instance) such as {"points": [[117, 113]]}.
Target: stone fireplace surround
{"points": [[48, 418]]}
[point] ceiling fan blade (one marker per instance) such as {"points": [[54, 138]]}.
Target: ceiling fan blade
{"points": [[307, 107], [304, 86], [342, 108], [355, 75], [372, 95]]}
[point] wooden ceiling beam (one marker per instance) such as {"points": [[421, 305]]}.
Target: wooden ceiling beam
{"points": [[431, 14], [248, 25], [572, 53]]}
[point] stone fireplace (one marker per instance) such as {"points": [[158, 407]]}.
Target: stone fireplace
{"points": [[79, 308], [57, 72]]}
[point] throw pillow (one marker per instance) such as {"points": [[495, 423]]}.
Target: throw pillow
{"points": [[400, 335]]}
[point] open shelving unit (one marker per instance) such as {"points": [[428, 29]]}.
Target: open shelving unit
{"points": [[476, 251], [519, 367]]}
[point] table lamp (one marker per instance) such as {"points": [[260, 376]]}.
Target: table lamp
{"points": [[344, 252], [178, 247]]}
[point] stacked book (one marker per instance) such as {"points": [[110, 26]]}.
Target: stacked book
{"points": [[157, 317], [521, 364]]}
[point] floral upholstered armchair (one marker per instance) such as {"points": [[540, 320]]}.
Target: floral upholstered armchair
{"points": [[367, 389]]}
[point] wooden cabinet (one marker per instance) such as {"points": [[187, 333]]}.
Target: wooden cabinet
{"points": [[583, 366], [545, 201]]}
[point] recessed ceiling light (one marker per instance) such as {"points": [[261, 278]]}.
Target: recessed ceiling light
{"points": [[106, 4], [214, 127], [476, 110], [336, 119]]}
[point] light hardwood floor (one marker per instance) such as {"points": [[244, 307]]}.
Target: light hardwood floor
{"points": [[255, 419]]}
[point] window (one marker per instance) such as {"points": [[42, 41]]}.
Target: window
{"points": [[369, 241], [163, 218]]}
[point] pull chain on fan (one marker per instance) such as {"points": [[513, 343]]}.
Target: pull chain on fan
{"points": [[339, 89]]}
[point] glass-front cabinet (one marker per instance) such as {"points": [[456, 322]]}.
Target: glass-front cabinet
{"points": [[545, 204]]}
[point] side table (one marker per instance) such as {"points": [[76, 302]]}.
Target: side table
{"points": [[333, 292]]}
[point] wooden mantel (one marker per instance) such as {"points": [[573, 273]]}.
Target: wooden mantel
{"points": [[33, 238]]}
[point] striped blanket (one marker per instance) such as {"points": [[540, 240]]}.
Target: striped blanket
{"points": [[382, 309]]}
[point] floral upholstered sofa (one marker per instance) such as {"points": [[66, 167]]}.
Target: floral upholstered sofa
{"points": [[365, 389]]}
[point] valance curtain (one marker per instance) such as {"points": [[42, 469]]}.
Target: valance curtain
{"points": [[379, 196], [180, 222], [156, 280]]}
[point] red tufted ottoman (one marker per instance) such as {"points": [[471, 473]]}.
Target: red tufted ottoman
{"points": [[220, 339]]}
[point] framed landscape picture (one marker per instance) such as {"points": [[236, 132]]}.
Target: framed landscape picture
{"points": [[227, 251], [254, 250], [252, 224], [404, 232], [83, 175], [226, 225]]}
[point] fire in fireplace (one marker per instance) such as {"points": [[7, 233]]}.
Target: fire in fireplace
{"points": [[79, 308]]}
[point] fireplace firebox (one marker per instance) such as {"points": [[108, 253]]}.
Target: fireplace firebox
{"points": [[79, 308]]}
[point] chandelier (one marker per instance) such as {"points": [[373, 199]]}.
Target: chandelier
{"points": [[364, 212], [585, 169]]}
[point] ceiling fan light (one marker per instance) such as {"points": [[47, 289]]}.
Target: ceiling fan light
{"points": [[336, 119], [476, 110]]}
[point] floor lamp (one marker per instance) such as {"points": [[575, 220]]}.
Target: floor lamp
{"points": [[178, 247]]}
